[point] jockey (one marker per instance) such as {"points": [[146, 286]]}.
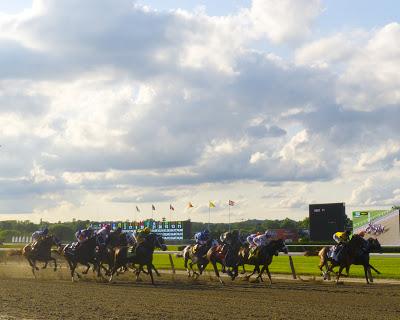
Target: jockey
{"points": [[260, 239], [263, 239], [117, 231], [202, 237], [103, 235], [230, 237], [341, 238], [83, 235], [40, 233], [250, 239], [130, 238], [141, 235]]}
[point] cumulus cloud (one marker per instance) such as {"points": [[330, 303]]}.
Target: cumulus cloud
{"points": [[119, 99], [283, 20]]}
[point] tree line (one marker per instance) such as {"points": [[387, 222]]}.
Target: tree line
{"points": [[65, 231]]}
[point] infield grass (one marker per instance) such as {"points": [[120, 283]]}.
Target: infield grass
{"points": [[389, 267]]}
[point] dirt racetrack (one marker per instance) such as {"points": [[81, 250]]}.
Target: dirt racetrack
{"points": [[54, 296]]}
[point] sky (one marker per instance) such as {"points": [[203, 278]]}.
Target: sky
{"points": [[109, 105]]}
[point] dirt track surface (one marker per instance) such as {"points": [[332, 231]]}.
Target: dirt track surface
{"points": [[52, 296]]}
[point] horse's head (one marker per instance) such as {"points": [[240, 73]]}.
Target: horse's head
{"points": [[276, 246], [282, 246], [160, 243], [374, 245]]}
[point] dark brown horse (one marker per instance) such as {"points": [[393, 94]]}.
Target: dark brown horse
{"points": [[262, 258], [84, 254], [40, 250], [142, 256], [227, 256], [356, 251]]}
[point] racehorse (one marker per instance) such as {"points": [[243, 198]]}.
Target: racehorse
{"points": [[40, 250], [263, 258], [356, 251], [105, 255], [84, 254], [227, 256], [142, 256], [198, 257]]}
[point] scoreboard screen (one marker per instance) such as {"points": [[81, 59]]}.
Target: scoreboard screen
{"points": [[325, 220], [170, 230]]}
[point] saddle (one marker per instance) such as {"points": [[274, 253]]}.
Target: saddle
{"points": [[220, 251], [254, 252], [195, 249]]}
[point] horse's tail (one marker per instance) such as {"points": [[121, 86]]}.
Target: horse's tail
{"points": [[182, 253], [16, 252], [323, 254]]}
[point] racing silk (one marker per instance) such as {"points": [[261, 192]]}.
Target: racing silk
{"points": [[229, 238], [130, 238], [200, 238], [250, 240], [37, 234], [340, 237], [261, 240], [140, 236], [83, 235], [103, 236]]}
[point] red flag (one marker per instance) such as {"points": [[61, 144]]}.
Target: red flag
{"points": [[231, 203], [153, 207], [171, 207]]}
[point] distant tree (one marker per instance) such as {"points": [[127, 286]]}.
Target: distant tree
{"points": [[64, 233]]}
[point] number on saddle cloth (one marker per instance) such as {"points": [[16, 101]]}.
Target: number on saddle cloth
{"points": [[331, 252]]}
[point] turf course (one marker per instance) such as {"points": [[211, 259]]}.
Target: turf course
{"points": [[389, 267]]}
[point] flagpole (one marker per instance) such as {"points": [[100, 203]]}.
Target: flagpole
{"points": [[209, 215], [229, 217]]}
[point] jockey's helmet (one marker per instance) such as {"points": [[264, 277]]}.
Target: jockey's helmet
{"points": [[268, 233], [146, 230], [107, 227], [45, 230], [206, 232]]}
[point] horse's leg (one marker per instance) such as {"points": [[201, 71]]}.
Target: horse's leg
{"points": [[269, 275], [348, 271], [256, 267], [73, 267], [374, 269], [216, 271], [185, 264], [339, 273], [244, 270], [149, 267], [87, 268], [367, 273], [33, 266], [45, 264], [370, 275], [260, 272], [55, 263], [155, 270], [138, 270]]}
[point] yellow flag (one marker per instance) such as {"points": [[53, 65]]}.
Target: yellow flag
{"points": [[212, 205]]}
